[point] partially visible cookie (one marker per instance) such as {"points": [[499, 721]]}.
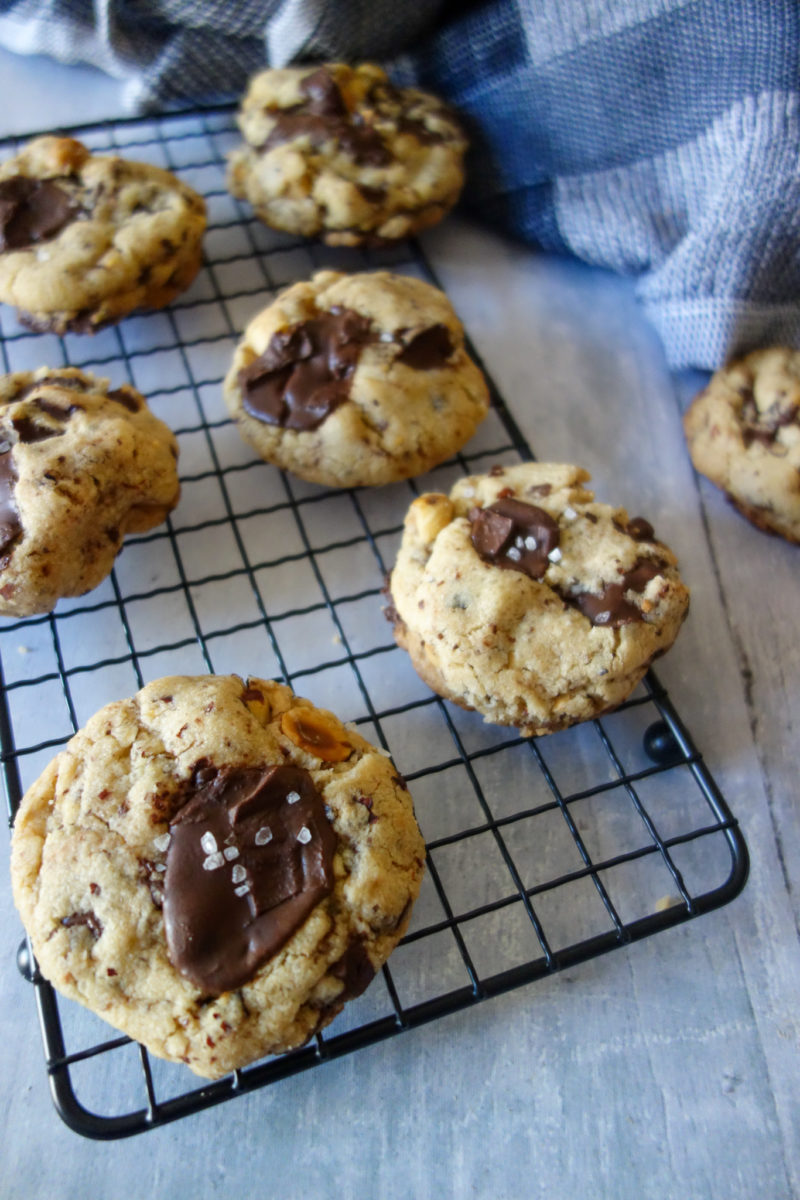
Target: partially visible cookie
{"points": [[356, 379], [339, 152], [522, 597], [743, 432], [216, 867], [87, 238], [81, 465]]}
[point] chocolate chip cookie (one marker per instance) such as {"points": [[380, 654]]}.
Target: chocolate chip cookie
{"points": [[743, 432], [215, 866], [339, 152], [86, 238], [356, 379], [81, 465], [520, 596]]}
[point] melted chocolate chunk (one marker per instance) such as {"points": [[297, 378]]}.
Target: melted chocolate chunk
{"points": [[325, 117], [31, 211], [515, 535], [10, 524], [305, 371], [29, 430], [250, 855], [68, 381], [125, 398], [372, 195], [610, 607], [428, 350], [324, 96], [355, 970], [640, 530]]}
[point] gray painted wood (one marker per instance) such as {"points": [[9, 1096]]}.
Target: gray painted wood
{"points": [[669, 1069]]}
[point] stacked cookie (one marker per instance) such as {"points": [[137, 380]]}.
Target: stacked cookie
{"points": [[213, 865]]}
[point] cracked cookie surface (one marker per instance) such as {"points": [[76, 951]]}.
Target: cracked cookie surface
{"points": [[215, 866], [341, 153], [347, 380], [520, 596], [743, 433], [81, 465], [87, 238]]}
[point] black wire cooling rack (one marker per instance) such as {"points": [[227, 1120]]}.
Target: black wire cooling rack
{"points": [[541, 853]]}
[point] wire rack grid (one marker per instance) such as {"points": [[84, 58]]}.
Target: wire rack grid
{"points": [[541, 853]]}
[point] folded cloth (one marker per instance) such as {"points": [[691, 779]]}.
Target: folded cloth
{"points": [[656, 137]]}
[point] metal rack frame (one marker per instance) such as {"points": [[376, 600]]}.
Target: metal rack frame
{"points": [[621, 863]]}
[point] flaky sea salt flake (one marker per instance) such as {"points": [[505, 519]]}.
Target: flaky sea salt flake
{"points": [[263, 835], [293, 797], [208, 842], [162, 841], [514, 554], [242, 891], [213, 862], [531, 542], [304, 835], [569, 513], [238, 874], [555, 555], [231, 852]]}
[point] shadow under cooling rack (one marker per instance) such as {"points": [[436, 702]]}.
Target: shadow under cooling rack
{"points": [[541, 853]]}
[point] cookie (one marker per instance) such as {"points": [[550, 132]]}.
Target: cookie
{"points": [[339, 152], [356, 379], [743, 432], [216, 867], [80, 466], [86, 238], [520, 596]]}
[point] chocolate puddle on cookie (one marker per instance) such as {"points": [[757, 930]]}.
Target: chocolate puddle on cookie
{"points": [[306, 371], [609, 607], [522, 537], [32, 211], [323, 117], [515, 535], [249, 857]]}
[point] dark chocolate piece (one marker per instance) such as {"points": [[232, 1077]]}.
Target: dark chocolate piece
{"points": [[305, 371], [428, 350], [640, 530], [355, 970], [29, 430], [324, 117], [32, 211], [610, 607], [515, 535], [249, 857], [126, 399], [10, 524]]}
